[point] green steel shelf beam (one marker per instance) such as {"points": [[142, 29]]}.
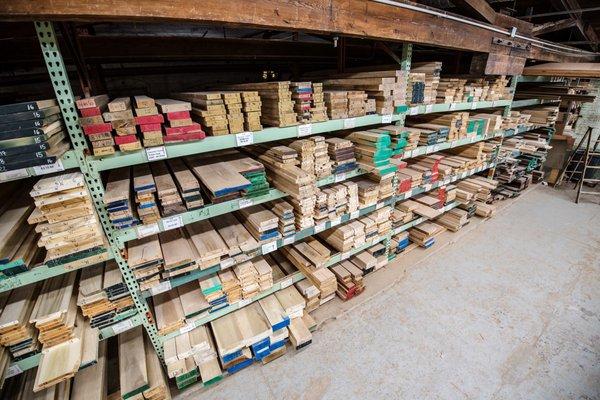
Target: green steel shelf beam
{"points": [[538, 79], [445, 107], [213, 143], [43, 272], [423, 150]]}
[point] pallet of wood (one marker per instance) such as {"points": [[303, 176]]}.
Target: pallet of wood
{"points": [[31, 134]]}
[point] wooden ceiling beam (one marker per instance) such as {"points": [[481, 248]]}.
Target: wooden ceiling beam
{"points": [[553, 26], [357, 18]]}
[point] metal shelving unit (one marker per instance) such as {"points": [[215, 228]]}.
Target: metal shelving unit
{"points": [[92, 166]]}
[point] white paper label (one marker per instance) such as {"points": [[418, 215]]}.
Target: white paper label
{"points": [[378, 206], [244, 139], [336, 221], [320, 227], [386, 119], [269, 247], [244, 302], [452, 106], [430, 149], [227, 263], [340, 177], [13, 370], [160, 288], [354, 214], [427, 187], [304, 130], [473, 105], [494, 103], [187, 328], [289, 240], [429, 108], [47, 169], [12, 175], [413, 110], [436, 148], [349, 123], [173, 222], [287, 282], [122, 326], [147, 230], [243, 203], [408, 194], [156, 153], [345, 255]]}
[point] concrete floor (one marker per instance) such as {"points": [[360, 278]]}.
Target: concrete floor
{"points": [[510, 311]]}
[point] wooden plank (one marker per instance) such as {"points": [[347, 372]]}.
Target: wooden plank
{"points": [[133, 374]]}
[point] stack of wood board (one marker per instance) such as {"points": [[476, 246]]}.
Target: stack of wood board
{"points": [[285, 214], [133, 371], [323, 164], [364, 261], [117, 198], [16, 331], [377, 85], [210, 246], [542, 115], [166, 190], [373, 150], [168, 312], [117, 292], [322, 278], [424, 234], [55, 310], [415, 88], [379, 252], [432, 78], [341, 238], [209, 109], [260, 222], [455, 122], [493, 122], [233, 105], [279, 321], [453, 219], [90, 382], [91, 298], [187, 183], [144, 188], [149, 121], [158, 386], [341, 152], [349, 278], [212, 290], [179, 253], [145, 259], [302, 97], [251, 107], [480, 187], [97, 131], [236, 237], [399, 242], [277, 104], [369, 226], [192, 300], [318, 111], [265, 273], [368, 192], [220, 180], [58, 364], [231, 286], [450, 90], [248, 277], [194, 347], [31, 134], [120, 116], [305, 149], [65, 218], [180, 127], [18, 239], [498, 88], [336, 102]]}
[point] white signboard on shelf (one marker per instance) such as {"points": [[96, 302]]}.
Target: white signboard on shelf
{"points": [[304, 130], [156, 153], [244, 139], [173, 222], [48, 169]]}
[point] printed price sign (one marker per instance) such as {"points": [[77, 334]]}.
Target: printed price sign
{"points": [[320, 227], [269, 247], [429, 108], [48, 169], [413, 110], [244, 139], [386, 119], [452, 106], [349, 123], [160, 288], [227, 263], [243, 203], [287, 282], [304, 130], [340, 177], [172, 222], [122, 326]]}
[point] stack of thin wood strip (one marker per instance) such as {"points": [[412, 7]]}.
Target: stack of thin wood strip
{"points": [[94, 127], [236, 237], [456, 123], [260, 222], [179, 253], [450, 90], [120, 117], [349, 278], [31, 134], [166, 190], [432, 78], [453, 219], [179, 127], [144, 187], [66, 219], [424, 234], [209, 109], [302, 97], [341, 152], [277, 105], [251, 107], [212, 290], [145, 258], [318, 111], [285, 214], [336, 102], [16, 331], [149, 121], [541, 115], [117, 198], [187, 183]]}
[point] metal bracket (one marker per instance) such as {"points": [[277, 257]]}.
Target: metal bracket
{"points": [[511, 43]]}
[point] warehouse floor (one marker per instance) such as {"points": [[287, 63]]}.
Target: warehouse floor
{"points": [[510, 311]]}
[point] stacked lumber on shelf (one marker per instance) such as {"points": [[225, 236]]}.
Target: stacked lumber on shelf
{"points": [[168, 312], [31, 134], [431, 70], [145, 258], [302, 97], [66, 219], [179, 253], [187, 183], [341, 152], [415, 91], [424, 234], [209, 109], [323, 164], [453, 219], [149, 121], [179, 126], [212, 290], [260, 222], [17, 333], [251, 108], [455, 123], [120, 117], [336, 102], [117, 198], [277, 108], [542, 115], [285, 215], [144, 188], [94, 127], [318, 111], [450, 90], [166, 190]]}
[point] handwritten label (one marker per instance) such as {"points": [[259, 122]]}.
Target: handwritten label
{"points": [[13, 370], [287, 282], [354, 214], [378, 206], [187, 328], [429, 108], [243, 203], [349, 123], [173, 222], [386, 119], [452, 106], [320, 227], [227, 263], [269, 247], [413, 110], [156, 153], [473, 105], [345, 256], [147, 230], [336, 221], [340, 177], [122, 326], [48, 169], [15, 174], [408, 194], [160, 288], [427, 187], [289, 240], [244, 139], [304, 130]]}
